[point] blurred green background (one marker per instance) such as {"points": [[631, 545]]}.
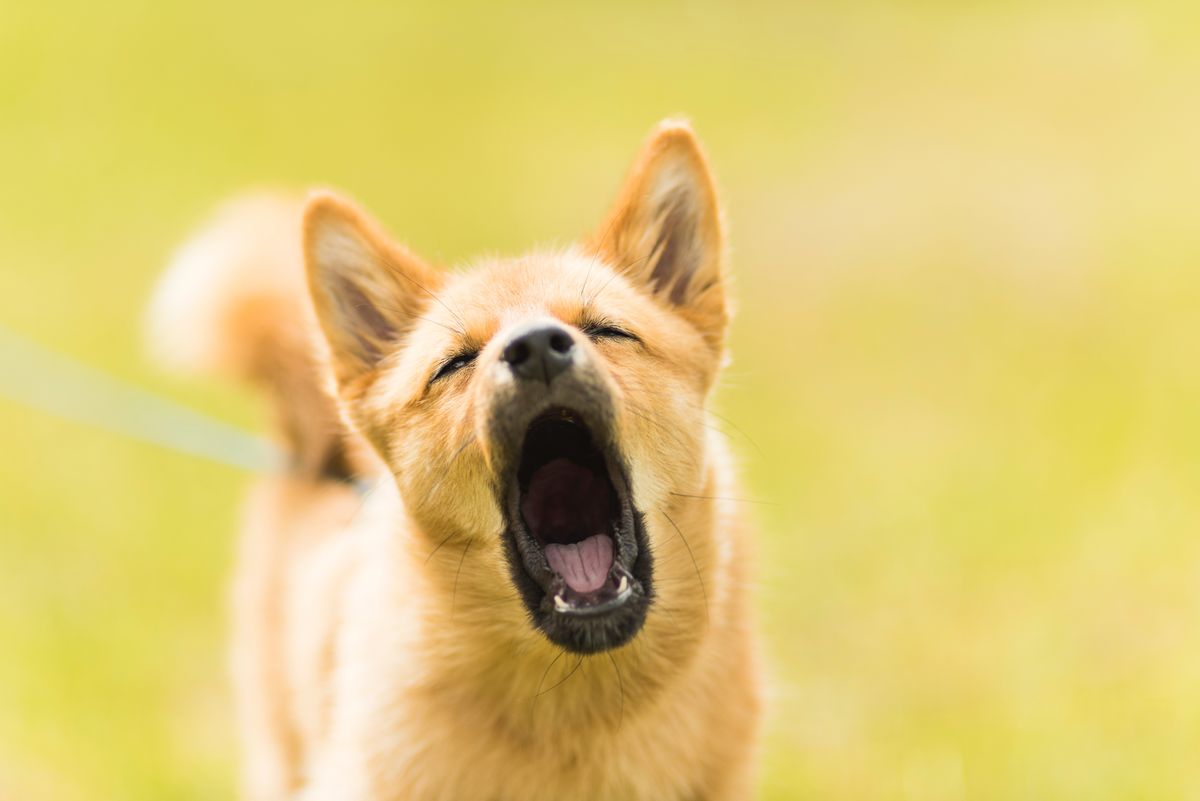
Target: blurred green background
{"points": [[966, 367]]}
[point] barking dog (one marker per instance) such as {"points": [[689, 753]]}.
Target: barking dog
{"points": [[543, 592]]}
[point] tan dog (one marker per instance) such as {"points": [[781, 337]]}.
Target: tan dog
{"points": [[544, 593]]}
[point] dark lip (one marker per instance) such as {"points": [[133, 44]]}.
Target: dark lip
{"points": [[610, 616]]}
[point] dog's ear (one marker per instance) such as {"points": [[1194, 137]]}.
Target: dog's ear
{"points": [[665, 229], [366, 290]]}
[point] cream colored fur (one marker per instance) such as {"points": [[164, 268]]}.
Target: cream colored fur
{"points": [[380, 649]]}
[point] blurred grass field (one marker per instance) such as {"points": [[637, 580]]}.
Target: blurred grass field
{"points": [[966, 364]]}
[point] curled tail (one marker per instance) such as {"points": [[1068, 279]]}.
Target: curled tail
{"points": [[234, 302]]}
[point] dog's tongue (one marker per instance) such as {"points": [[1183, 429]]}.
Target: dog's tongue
{"points": [[566, 506], [583, 565]]}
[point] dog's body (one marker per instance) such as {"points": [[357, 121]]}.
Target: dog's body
{"points": [[518, 572]]}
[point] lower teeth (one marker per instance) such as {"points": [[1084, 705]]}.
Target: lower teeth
{"points": [[610, 597]]}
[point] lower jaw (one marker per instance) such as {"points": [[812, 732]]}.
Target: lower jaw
{"points": [[587, 623], [615, 593], [604, 628]]}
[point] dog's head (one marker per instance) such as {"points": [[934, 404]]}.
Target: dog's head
{"points": [[545, 409]]}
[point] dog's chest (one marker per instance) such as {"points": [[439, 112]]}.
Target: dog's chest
{"points": [[472, 765]]}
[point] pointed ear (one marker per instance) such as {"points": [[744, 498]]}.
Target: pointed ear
{"points": [[665, 229], [366, 290]]}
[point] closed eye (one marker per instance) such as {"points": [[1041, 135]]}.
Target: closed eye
{"points": [[607, 330], [453, 365]]}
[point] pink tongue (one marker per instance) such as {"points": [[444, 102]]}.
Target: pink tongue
{"points": [[583, 565]]}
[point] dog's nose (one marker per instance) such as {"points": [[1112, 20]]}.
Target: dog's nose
{"points": [[539, 350]]}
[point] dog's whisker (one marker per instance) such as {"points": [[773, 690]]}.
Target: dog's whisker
{"points": [[636, 411], [397, 271], [563, 680], [457, 573], [695, 564], [592, 263], [362, 502], [542, 680], [736, 428], [716, 428], [665, 609], [450, 463], [723, 498], [620, 689], [438, 547], [613, 277], [408, 315], [702, 407]]}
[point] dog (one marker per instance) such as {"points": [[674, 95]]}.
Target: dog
{"points": [[503, 560]]}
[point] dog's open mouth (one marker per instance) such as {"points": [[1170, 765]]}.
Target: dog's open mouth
{"points": [[577, 535]]}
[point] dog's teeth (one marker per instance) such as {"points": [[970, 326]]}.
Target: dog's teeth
{"points": [[559, 604], [624, 585]]}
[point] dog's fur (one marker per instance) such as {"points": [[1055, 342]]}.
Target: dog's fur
{"points": [[381, 648]]}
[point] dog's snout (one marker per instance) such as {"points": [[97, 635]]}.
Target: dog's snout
{"points": [[539, 351]]}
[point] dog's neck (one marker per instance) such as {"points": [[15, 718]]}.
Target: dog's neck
{"points": [[479, 651]]}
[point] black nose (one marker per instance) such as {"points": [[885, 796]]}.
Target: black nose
{"points": [[539, 351]]}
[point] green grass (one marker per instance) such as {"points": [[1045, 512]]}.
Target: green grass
{"points": [[965, 371]]}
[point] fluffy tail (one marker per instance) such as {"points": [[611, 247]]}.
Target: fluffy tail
{"points": [[234, 302]]}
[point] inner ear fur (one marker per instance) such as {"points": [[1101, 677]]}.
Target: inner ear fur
{"points": [[665, 230], [366, 289]]}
